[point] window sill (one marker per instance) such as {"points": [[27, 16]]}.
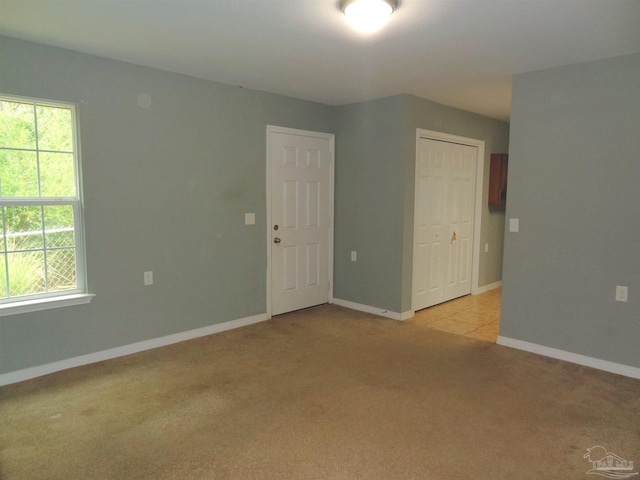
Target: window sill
{"points": [[45, 304]]}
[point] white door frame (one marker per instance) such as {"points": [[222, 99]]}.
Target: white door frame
{"points": [[477, 220], [271, 129]]}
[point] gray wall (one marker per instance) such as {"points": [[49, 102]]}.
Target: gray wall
{"points": [[574, 178], [375, 175], [165, 189], [371, 153]]}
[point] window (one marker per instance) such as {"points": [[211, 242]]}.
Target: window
{"points": [[41, 246]]}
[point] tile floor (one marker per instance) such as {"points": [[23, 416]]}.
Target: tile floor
{"points": [[475, 316]]}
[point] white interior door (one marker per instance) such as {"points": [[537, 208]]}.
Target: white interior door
{"points": [[444, 221], [301, 210]]}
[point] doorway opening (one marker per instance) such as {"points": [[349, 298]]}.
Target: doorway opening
{"points": [[472, 316], [447, 222]]}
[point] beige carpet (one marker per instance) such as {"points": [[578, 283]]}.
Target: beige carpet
{"points": [[326, 393]]}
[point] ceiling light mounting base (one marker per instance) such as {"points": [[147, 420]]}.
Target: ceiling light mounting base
{"points": [[345, 3]]}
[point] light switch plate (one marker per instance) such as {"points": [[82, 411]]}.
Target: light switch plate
{"points": [[621, 293], [249, 218], [148, 278], [514, 224]]}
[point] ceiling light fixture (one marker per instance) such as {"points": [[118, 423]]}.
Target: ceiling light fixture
{"points": [[368, 16]]}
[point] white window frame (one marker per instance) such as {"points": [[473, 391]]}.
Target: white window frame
{"points": [[79, 295]]}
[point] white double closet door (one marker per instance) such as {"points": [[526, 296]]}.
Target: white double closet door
{"points": [[444, 217]]}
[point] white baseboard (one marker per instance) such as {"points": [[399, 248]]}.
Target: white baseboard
{"points": [[605, 365], [33, 372], [376, 311], [487, 288]]}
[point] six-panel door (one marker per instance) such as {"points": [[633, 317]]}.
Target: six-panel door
{"points": [[300, 217]]}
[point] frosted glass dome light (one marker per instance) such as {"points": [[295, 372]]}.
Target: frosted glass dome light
{"points": [[368, 16]]}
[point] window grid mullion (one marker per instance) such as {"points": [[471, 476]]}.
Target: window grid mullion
{"points": [[43, 150], [35, 120]]}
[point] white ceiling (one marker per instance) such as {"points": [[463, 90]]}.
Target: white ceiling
{"points": [[460, 53]]}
